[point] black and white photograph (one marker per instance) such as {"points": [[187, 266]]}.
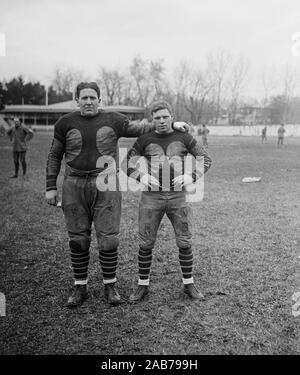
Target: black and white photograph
{"points": [[150, 181]]}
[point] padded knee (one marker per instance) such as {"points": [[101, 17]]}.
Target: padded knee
{"points": [[147, 247], [108, 243], [80, 245]]}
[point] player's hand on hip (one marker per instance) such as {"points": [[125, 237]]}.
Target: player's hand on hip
{"points": [[183, 180], [181, 126], [52, 197], [149, 180]]}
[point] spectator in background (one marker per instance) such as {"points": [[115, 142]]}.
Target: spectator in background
{"points": [[204, 133], [280, 133], [19, 134], [264, 135], [2, 131]]}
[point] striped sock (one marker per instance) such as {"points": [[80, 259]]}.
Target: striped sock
{"points": [[109, 261], [186, 264], [80, 262], [144, 260]]}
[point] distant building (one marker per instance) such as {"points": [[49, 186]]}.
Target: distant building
{"points": [[250, 115], [223, 119], [3, 124], [247, 115], [48, 114]]}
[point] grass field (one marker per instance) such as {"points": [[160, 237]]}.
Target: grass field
{"points": [[246, 253]]}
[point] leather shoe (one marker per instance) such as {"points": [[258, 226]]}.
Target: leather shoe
{"points": [[192, 292], [78, 296], [139, 294], [112, 294], [14, 176]]}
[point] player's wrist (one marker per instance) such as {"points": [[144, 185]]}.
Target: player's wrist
{"points": [[145, 178], [187, 179]]}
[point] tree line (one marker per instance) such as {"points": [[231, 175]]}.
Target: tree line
{"points": [[198, 94]]}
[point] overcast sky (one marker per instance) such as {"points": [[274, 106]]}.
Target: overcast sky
{"points": [[43, 34]]}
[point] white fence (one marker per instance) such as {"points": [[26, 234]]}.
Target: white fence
{"points": [[223, 130], [254, 130]]}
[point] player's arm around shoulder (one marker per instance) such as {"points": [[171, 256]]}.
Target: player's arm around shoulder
{"points": [[138, 128]]}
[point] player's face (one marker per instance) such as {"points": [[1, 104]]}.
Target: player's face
{"points": [[17, 123], [88, 102], [162, 120]]}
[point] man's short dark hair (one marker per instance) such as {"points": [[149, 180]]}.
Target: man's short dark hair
{"points": [[160, 104], [87, 85]]}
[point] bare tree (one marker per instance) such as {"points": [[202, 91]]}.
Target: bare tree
{"points": [[268, 84], [65, 80], [140, 73], [180, 83], [129, 91], [236, 82], [193, 86], [218, 63], [182, 73], [149, 80], [157, 75], [112, 82], [290, 77]]}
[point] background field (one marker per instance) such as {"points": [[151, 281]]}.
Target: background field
{"points": [[246, 264]]}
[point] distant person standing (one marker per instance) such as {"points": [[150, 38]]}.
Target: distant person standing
{"points": [[264, 135], [19, 134], [2, 131], [280, 133], [204, 133]]}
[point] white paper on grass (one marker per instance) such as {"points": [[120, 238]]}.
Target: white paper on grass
{"points": [[251, 179]]}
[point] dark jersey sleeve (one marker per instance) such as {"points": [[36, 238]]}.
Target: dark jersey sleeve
{"points": [[133, 157], [133, 129], [55, 156]]}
